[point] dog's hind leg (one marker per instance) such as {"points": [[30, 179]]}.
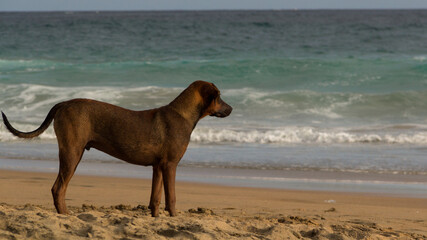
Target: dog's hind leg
{"points": [[68, 160]]}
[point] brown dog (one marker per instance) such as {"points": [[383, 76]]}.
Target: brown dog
{"points": [[157, 137]]}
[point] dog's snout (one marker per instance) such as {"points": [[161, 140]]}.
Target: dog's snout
{"points": [[228, 110], [224, 111]]}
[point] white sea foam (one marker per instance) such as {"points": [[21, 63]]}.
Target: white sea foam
{"points": [[420, 58], [289, 135], [337, 181], [302, 135], [17, 100]]}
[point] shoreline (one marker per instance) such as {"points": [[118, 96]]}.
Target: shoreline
{"points": [[387, 184], [47, 179], [28, 193]]}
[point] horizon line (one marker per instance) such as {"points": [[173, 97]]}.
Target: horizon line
{"points": [[213, 10]]}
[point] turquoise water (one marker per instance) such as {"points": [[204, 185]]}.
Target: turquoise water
{"points": [[340, 91]]}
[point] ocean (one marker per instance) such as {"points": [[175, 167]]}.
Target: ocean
{"points": [[323, 100]]}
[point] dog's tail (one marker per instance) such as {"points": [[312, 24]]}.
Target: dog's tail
{"points": [[36, 132]]}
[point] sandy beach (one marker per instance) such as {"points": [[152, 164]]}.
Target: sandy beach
{"points": [[116, 208]]}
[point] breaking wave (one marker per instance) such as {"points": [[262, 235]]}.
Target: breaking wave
{"points": [[304, 135], [287, 135]]}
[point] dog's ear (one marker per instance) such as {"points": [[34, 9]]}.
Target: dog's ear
{"points": [[209, 92]]}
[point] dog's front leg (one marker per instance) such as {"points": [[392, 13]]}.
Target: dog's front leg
{"points": [[156, 191], [169, 173]]}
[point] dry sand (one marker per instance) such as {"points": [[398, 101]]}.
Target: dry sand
{"points": [[115, 208]]}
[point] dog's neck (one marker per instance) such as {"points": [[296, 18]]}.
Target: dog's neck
{"points": [[188, 105]]}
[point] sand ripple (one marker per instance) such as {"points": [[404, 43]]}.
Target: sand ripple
{"points": [[126, 222]]}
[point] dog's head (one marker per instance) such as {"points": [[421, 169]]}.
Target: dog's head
{"points": [[212, 104]]}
